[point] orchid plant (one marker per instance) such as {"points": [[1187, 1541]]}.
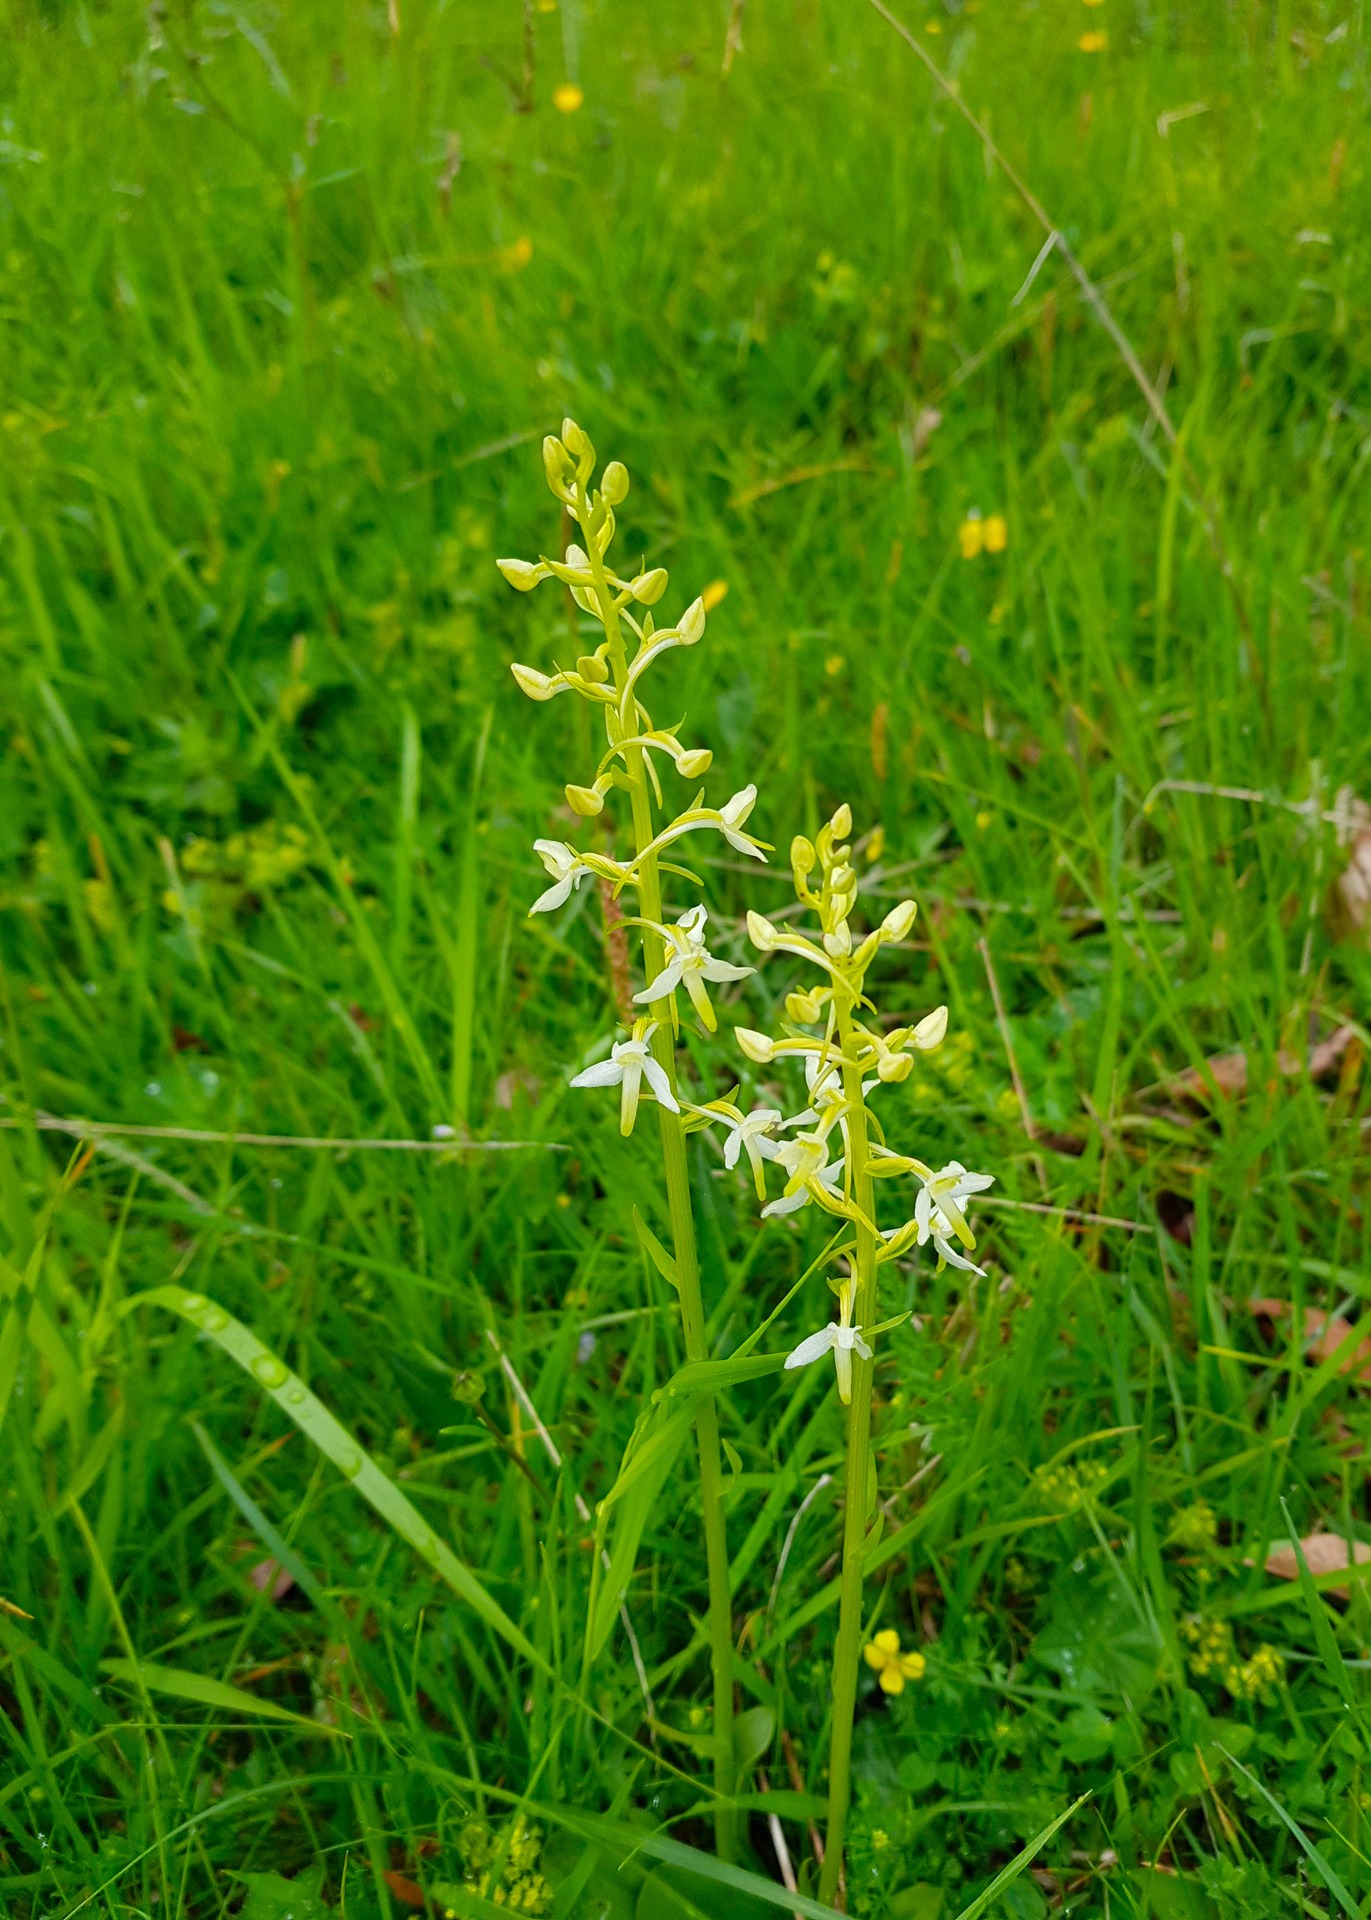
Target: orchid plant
{"points": [[833, 1155], [830, 1154], [675, 955]]}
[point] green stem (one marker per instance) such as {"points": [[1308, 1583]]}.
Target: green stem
{"points": [[648, 881], [847, 1650]]}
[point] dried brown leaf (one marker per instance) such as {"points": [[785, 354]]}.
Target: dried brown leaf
{"points": [[1323, 1553], [1323, 1335]]}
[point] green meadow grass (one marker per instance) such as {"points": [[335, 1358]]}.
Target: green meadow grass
{"points": [[288, 297]]}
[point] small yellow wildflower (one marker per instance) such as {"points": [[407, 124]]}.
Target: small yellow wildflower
{"points": [[879, 1838], [516, 256], [893, 1667], [834, 665], [568, 97], [933, 27], [1093, 42], [713, 594], [971, 534], [995, 536]]}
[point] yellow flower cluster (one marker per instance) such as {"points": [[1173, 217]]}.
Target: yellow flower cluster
{"points": [[892, 1668], [261, 858], [1257, 1676], [1211, 1643], [1213, 1652], [519, 1886], [1069, 1487], [1194, 1528]]}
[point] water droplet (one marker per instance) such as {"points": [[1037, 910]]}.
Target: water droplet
{"points": [[296, 1396], [193, 1303], [351, 1462], [270, 1371], [213, 1319]]}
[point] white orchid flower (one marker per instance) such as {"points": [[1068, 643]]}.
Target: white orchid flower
{"points": [[568, 869], [748, 1133], [728, 820], [841, 1339], [690, 964], [827, 1177], [945, 1191], [949, 1256], [628, 1066]]}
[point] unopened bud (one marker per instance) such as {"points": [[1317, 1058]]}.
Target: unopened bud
{"points": [[805, 1005], [692, 623], [592, 668], [468, 1388], [577, 444], [536, 685], [756, 1046], [899, 920], [894, 1067], [585, 801], [802, 855], [694, 763], [649, 587], [556, 465], [522, 575], [930, 1031], [838, 942], [761, 933], [614, 482], [841, 823]]}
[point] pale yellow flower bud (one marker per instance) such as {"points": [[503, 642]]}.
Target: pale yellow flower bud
{"points": [[930, 1030], [756, 1046], [692, 627], [841, 823], [614, 482], [694, 763], [649, 587], [761, 933], [805, 1006], [585, 801], [802, 856], [522, 575], [536, 685], [592, 668], [899, 920], [894, 1067], [556, 466]]}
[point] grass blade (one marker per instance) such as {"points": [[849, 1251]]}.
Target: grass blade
{"points": [[1007, 1875], [181, 1684], [1311, 1852], [333, 1440], [275, 1543]]}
